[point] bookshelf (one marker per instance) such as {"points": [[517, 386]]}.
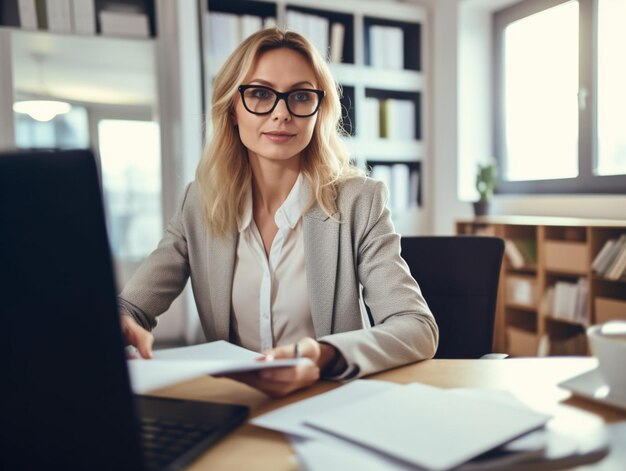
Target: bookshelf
{"points": [[546, 302], [377, 55], [118, 18]]}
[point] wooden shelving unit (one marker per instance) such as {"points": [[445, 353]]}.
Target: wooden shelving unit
{"points": [[565, 250]]}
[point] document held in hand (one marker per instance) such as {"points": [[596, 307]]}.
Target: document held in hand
{"points": [[175, 365]]}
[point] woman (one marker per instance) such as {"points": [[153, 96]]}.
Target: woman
{"points": [[279, 232]]}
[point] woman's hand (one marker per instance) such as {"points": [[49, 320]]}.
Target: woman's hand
{"points": [[277, 382], [137, 336]]}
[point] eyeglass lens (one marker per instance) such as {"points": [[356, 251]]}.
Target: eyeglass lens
{"points": [[299, 102]]}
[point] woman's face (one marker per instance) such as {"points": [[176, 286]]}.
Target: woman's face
{"points": [[277, 136]]}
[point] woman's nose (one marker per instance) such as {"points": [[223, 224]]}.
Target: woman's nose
{"points": [[281, 111]]}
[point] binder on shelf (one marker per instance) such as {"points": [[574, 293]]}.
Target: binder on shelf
{"points": [[571, 301], [617, 265], [313, 27], [84, 16], [337, 35], [59, 16], [513, 254], [27, 11], [602, 259], [521, 253], [250, 24], [400, 119], [124, 24], [377, 46], [269, 22], [42, 14], [400, 180], [386, 46], [414, 188], [371, 118]]}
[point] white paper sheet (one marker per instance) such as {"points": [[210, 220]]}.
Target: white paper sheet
{"points": [[425, 426], [291, 419], [175, 365]]}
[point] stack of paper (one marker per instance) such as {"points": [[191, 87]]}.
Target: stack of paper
{"points": [[174, 365], [376, 425]]}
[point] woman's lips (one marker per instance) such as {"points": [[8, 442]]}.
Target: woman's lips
{"points": [[278, 136]]}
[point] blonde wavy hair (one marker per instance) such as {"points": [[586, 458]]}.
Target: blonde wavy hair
{"points": [[224, 172]]}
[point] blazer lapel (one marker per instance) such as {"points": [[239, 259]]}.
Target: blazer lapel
{"points": [[221, 266], [321, 252]]}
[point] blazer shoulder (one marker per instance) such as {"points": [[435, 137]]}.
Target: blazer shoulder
{"points": [[359, 188]]}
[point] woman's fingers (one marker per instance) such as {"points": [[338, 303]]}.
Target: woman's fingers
{"points": [[137, 336]]}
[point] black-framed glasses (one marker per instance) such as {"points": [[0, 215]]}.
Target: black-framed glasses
{"points": [[302, 102]]}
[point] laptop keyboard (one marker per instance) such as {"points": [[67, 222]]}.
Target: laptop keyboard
{"points": [[170, 443]]}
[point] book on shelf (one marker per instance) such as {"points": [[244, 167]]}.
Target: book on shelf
{"points": [[571, 301], [521, 253], [130, 24], [397, 119], [521, 290], [414, 188], [337, 37], [84, 16], [59, 16], [250, 24], [603, 258], [313, 27], [402, 183], [42, 14], [400, 179], [618, 265], [604, 262], [386, 47], [27, 11], [371, 118]]}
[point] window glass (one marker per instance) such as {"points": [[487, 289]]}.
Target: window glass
{"points": [[540, 95], [611, 150], [131, 180], [65, 131]]}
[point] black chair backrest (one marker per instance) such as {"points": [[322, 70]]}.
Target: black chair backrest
{"points": [[459, 278]]}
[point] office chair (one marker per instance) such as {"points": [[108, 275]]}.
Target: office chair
{"points": [[459, 277]]}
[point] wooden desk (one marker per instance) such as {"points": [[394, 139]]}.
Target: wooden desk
{"points": [[533, 380]]}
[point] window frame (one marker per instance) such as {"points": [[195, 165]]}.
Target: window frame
{"points": [[586, 182]]}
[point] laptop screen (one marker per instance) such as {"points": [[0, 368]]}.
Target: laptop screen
{"points": [[66, 399]]}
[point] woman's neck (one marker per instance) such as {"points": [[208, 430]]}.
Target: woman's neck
{"points": [[272, 182]]}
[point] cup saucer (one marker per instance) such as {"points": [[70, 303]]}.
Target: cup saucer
{"points": [[591, 385]]}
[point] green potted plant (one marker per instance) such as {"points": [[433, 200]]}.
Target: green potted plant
{"points": [[486, 177]]}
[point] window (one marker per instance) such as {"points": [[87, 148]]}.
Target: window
{"points": [[131, 179], [560, 90]]}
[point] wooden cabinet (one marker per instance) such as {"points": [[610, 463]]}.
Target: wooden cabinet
{"points": [[549, 292]]}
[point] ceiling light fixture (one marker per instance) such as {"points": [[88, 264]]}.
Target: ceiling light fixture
{"points": [[41, 110]]}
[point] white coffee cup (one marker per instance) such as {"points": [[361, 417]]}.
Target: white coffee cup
{"points": [[608, 344]]}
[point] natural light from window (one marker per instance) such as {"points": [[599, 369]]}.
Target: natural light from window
{"points": [[131, 177], [540, 95], [611, 158]]}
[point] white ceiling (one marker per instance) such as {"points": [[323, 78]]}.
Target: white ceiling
{"points": [[84, 69]]}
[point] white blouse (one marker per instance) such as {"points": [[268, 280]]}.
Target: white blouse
{"points": [[270, 301]]}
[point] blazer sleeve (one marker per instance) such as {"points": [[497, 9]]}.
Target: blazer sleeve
{"points": [[162, 276], [404, 329]]}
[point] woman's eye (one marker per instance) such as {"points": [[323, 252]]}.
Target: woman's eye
{"points": [[300, 97], [260, 94]]}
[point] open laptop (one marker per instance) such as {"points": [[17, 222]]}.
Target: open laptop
{"points": [[66, 399]]}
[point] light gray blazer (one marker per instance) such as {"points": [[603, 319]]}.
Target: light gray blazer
{"points": [[357, 246]]}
